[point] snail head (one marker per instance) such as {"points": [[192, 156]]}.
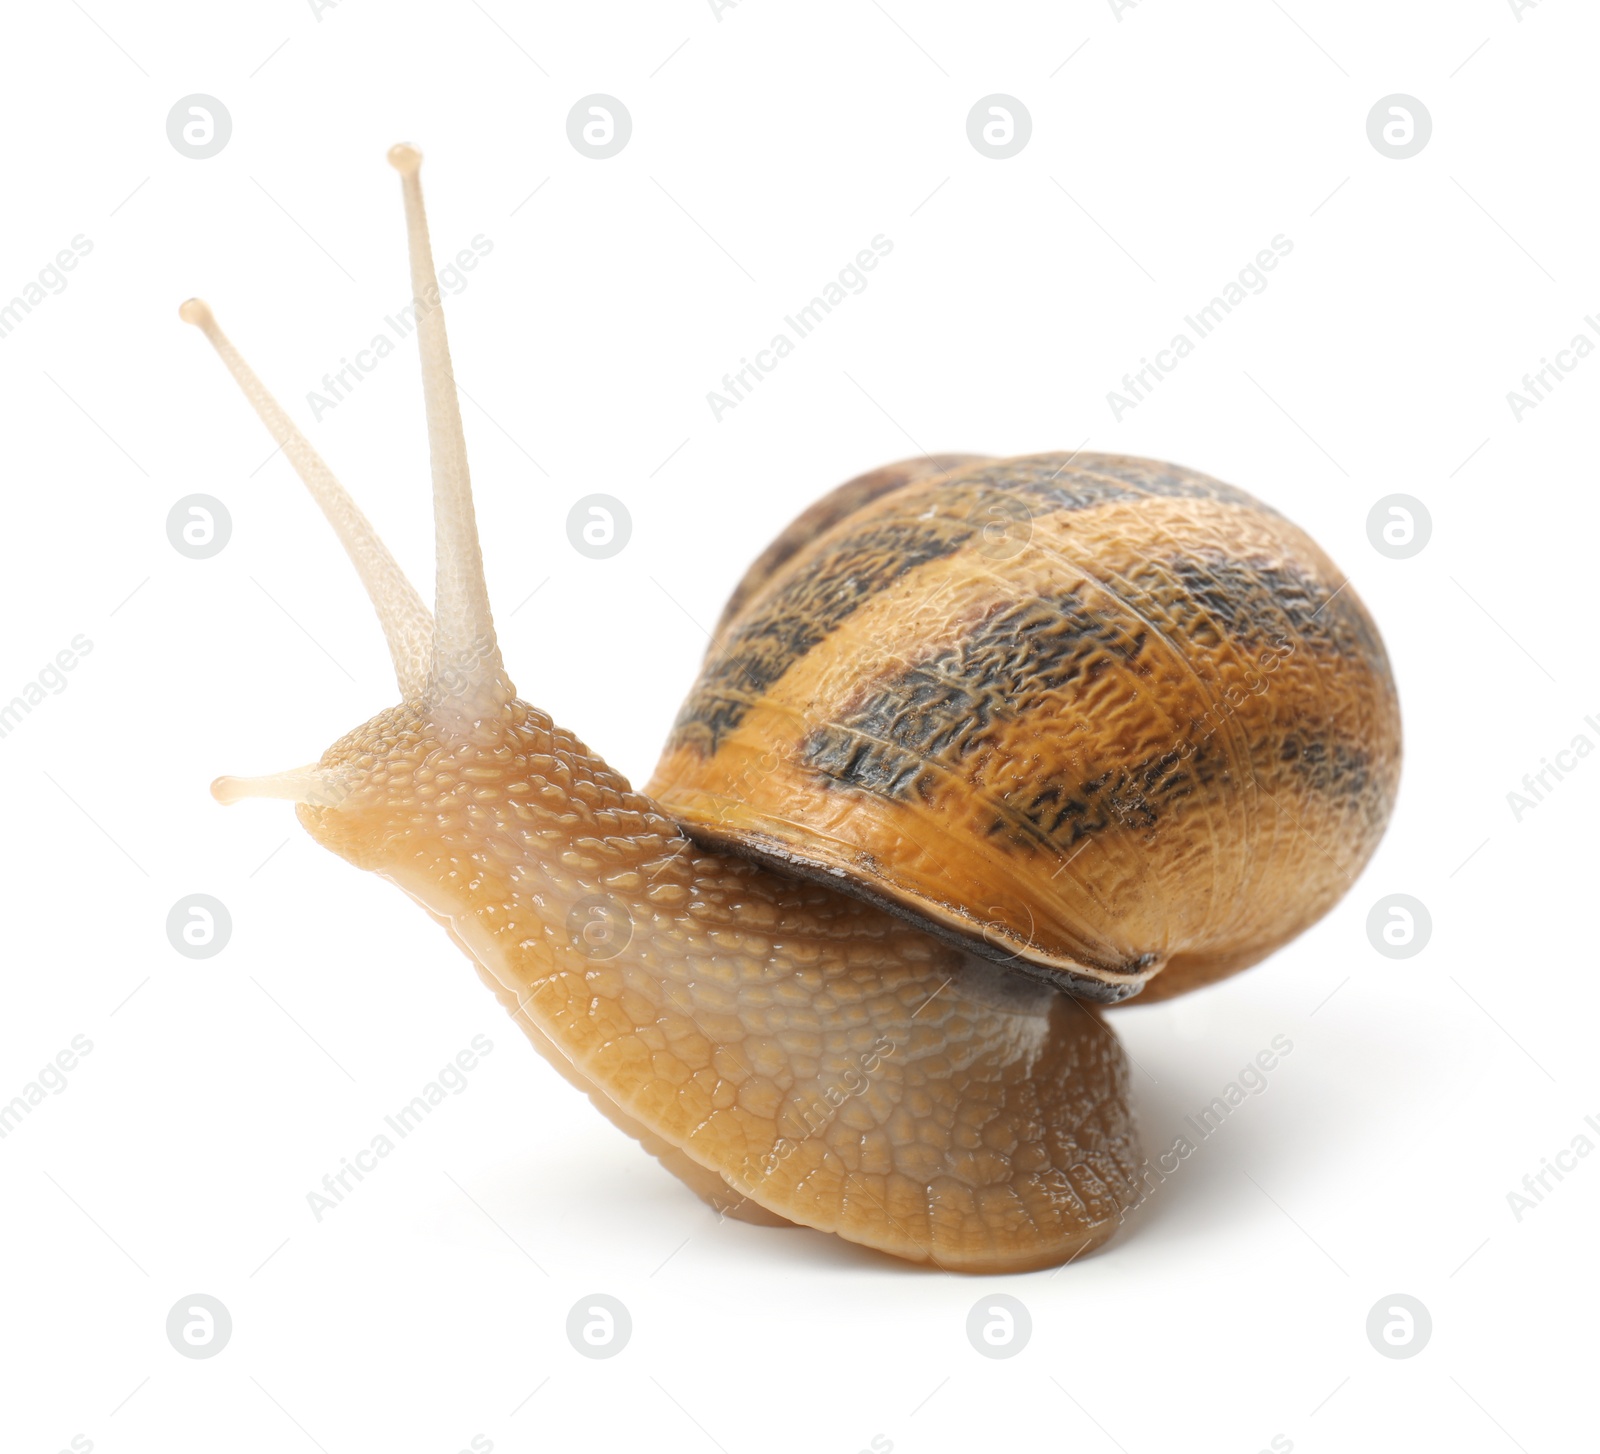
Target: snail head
{"points": [[458, 719]]}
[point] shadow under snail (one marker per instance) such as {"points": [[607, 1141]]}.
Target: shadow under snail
{"points": [[978, 743]]}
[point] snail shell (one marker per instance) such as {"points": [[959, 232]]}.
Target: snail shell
{"points": [[1106, 720]]}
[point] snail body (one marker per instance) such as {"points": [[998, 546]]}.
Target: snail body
{"points": [[817, 968]]}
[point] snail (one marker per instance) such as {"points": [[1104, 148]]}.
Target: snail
{"points": [[978, 747]]}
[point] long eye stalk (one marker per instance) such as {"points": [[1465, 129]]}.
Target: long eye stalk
{"points": [[468, 677], [452, 663], [309, 784], [406, 624]]}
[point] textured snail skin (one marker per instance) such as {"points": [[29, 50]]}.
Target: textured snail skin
{"points": [[1107, 720], [783, 1048]]}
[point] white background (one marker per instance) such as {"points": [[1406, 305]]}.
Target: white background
{"points": [[769, 145]]}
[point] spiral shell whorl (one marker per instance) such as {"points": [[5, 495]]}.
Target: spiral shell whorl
{"points": [[1103, 718]]}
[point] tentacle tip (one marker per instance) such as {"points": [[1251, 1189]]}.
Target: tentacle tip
{"points": [[309, 784], [405, 158], [196, 311], [227, 790]]}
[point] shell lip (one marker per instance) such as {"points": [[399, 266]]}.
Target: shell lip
{"points": [[1101, 984]]}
